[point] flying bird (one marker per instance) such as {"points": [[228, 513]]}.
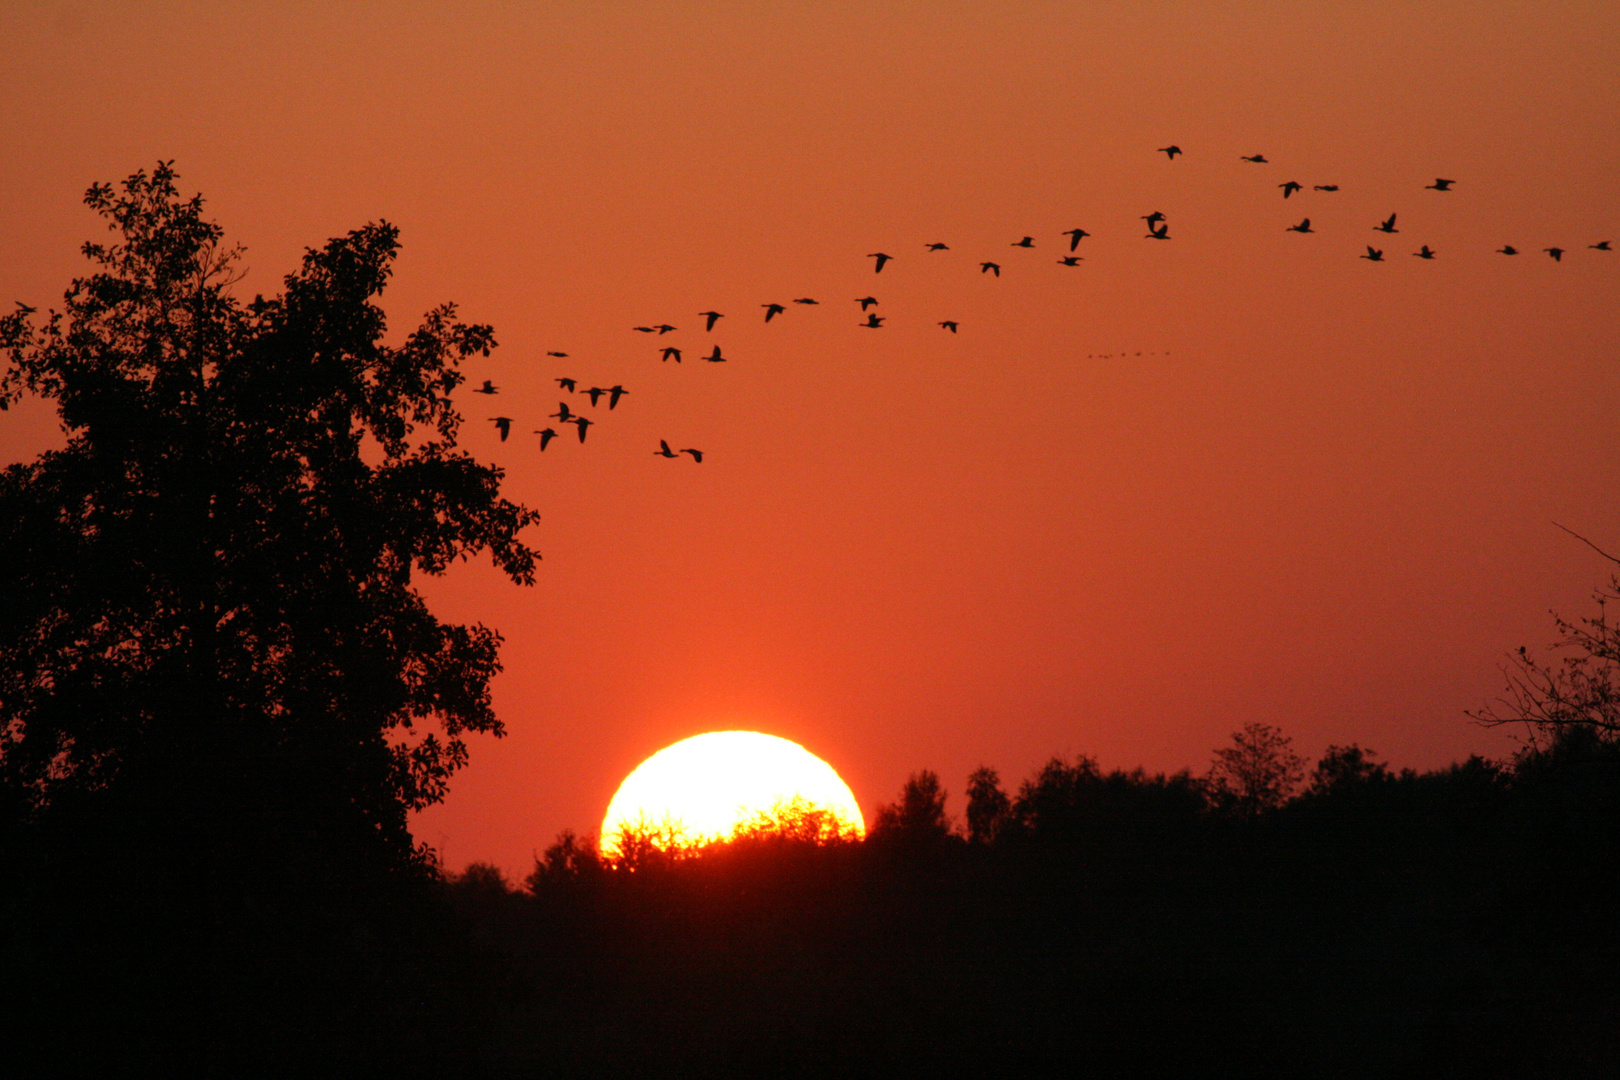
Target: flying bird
{"points": [[866, 302], [697, 455], [1387, 225], [504, 424], [873, 322], [1258, 159], [672, 353], [566, 384], [644, 329], [1327, 187], [1290, 187], [949, 324], [938, 247], [664, 450], [987, 267], [1153, 218], [563, 354], [715, 357], [1070, 260], [1026, 242], [1161, 232], [615, 392], [595, 394], [1075, 236], [663, 328], [1303, 226], [546, 435], [1601, 245], [805, 300], [1439, 185], [881, 259], [1170, 151], [563, 413], [583, 424], [1374, 254], [711, 316], [772, 311], [487, 388], [1425, 253], [1556, 252], [1508, 249]]}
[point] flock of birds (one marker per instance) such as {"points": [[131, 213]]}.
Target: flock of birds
{"points": [[1158, 226]]}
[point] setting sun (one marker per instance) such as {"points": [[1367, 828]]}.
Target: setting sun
{"points": [[703, 788]]}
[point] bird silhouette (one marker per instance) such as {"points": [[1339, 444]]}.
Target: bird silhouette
{"points": [[663, 328], [711, 316], [1439, 185], [881, 259], [1374, 254], [1387, 225], [503, 424], [1425, 253], [595, 394], [949, 324], [1075, 236], [566, 384], [873, 321], [772, 311], [715, 357], [583, 423], [1026, 242], [644, 329], [697, 455], [1507, 249], [1161, 232], [866, 302], [615, 392], [672, 353], [805, 300], [1153, 218], [1556, 252], [1070, 260], [562, 354], [1170, 151], [563, 413], [988, 267], [1327, 187], [1258, 159], [1303, 226], [546, 435], [938, 247], [1601, 245], [664, 450], [487, 388], [1290, 187]]}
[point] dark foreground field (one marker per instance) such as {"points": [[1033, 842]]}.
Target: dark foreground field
{"points": [[1479, 942]]}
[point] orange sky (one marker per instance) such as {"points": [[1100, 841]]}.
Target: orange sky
{"points": [[1322, 498]]}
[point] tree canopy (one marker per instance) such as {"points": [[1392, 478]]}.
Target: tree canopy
{"points": [[209, 611]]}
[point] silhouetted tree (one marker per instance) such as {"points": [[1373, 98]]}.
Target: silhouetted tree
{"points": [[1581, 691], [919, 817], [208, 609], [989, 810], [1258, 772], [1346, 771], [1052, 804], [795, 821]]}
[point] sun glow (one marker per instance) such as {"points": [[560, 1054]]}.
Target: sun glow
{"points": [[712, 786]]}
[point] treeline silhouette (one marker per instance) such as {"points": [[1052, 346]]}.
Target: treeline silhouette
{"points": [[1376, 922]]}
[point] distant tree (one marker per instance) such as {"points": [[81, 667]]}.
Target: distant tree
{"points": [[482, 878], [795, 821], [208, 617], [1581, 691], [989, 810], [919, 817], [1346, 770], [1053, 804], [1258, 772]]}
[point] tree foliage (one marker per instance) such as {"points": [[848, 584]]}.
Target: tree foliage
{"points": [[919, 816], [1258, 772], [209, 610]]}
